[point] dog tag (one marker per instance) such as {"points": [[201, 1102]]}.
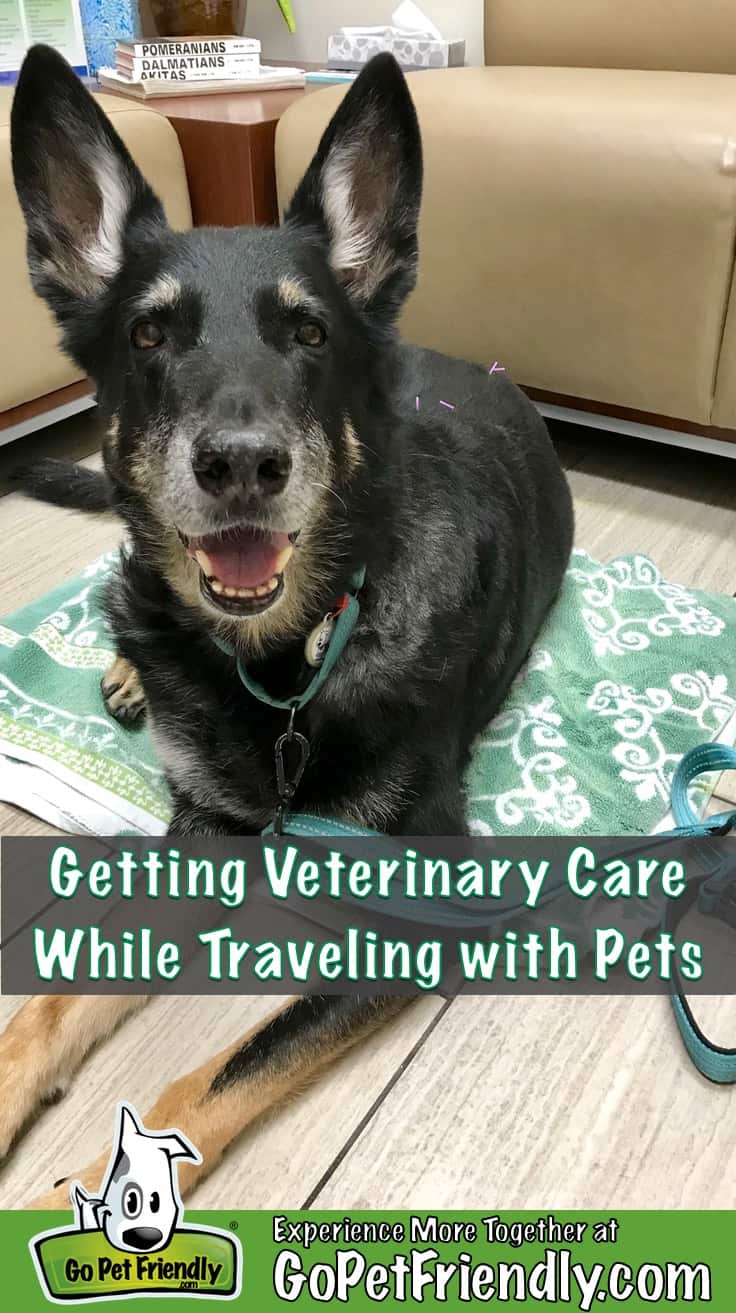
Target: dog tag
{"points": [[317, 643]]}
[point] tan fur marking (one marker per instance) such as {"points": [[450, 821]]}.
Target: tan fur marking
{"points": [[212, 1121], [352, 444], [112, 436], [145, 465], [292, 294], [44, 1045], [164, 293], [122, 690]]}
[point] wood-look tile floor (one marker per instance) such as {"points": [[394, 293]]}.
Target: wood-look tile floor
{"points": [[524, 1103]]}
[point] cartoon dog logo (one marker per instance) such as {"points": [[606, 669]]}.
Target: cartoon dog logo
{"points": [[139, 1206], [138, 1213]]}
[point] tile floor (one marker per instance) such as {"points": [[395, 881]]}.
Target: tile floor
{"points": [[514, 1101]]}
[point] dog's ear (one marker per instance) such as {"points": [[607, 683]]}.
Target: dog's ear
{"points": [[363, 189], [80, 192]]}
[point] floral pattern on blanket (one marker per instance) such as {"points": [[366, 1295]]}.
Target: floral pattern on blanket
{"points": [[627, 604], [52, 656], [598, 718]]}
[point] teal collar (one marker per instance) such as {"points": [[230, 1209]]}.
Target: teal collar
{"points": [[344, 618]]}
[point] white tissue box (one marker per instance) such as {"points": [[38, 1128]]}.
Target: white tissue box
{"points": [[354, 50]]}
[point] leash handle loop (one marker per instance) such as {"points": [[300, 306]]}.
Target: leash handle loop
{"points": [[712, 1061], [701, 761]]}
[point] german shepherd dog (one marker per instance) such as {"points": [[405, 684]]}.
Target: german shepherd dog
{"points": [[268, 437]]}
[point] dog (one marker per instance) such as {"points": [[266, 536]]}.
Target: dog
{"points": [[275, 451], [138, 1207]]}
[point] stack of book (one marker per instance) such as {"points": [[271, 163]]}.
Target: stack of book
{"points": [[190, 65]]}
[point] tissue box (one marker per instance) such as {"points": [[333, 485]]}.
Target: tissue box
{"points": [[412, 52]]}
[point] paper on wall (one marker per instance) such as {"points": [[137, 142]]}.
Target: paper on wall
{"points": [[53, 22]]}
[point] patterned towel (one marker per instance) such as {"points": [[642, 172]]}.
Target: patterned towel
{"points": [[63, 757], [628, 673]]}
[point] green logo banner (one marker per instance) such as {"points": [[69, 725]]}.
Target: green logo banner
{"points": [[74, 1266], [267, 1262]]}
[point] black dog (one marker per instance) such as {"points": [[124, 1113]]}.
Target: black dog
{"points": [[269, 440], [263, 420]]}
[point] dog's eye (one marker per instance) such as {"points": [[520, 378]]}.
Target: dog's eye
{"points": [[146, 335], [155, 1201], [132, 1201], [311, 333]]}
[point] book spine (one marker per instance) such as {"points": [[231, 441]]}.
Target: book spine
{"points": [[192, 67], [194, 75], [206, 46]]}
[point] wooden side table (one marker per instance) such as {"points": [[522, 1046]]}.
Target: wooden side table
{"points": [[227, 139]]}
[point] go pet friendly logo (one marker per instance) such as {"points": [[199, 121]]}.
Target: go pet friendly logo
{"points": [[128, 1240]]}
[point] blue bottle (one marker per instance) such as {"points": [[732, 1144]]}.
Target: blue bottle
{"points": [[105, 22]]}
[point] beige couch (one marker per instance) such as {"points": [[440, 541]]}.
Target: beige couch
{"points": [[33, 369], [579, 221]]}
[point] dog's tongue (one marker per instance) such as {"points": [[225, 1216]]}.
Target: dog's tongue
{"points": [[242, 558]]}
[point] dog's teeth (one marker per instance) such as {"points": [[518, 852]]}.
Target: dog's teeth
{"points": [[204, 562], [283, 558], [245, 594]]}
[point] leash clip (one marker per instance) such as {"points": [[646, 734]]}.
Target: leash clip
{"points": [[288, 778], [726, 827]]}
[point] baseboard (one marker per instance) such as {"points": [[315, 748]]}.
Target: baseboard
{"points": [[42, 411], [635, 428]]}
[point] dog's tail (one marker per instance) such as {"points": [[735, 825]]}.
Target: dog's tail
{"points": [[63, 483]]}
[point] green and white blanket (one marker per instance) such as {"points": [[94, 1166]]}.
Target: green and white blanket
{"points": [[629, 672]]}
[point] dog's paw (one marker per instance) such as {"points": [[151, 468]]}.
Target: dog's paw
{"points": [[28, 1081], [60, 1196], [20, 1096], [19, 1101], [122, 692]]}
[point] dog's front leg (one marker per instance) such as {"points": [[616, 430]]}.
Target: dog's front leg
{"points": [[44, 1045], [213, 1104]]}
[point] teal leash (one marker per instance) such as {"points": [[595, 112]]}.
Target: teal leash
{"points": [[712, 1060], [703, 760]]}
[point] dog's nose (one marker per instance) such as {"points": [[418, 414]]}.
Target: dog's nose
{"points": [[227, 461], [142, 1237]]}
